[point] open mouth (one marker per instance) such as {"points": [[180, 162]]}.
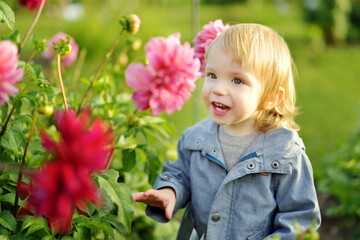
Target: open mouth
{"points": [[220, 107]]}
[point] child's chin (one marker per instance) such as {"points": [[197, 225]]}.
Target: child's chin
{"points": [[218, 121]]}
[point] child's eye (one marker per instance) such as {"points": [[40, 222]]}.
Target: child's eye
{"points": [[237, 81], [211, 75]]}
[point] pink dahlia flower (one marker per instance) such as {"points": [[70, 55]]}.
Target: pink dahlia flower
{"points": [[66, 182], [205, 37], [31, 4], [164, 84], [9, 74], [67, 60]]}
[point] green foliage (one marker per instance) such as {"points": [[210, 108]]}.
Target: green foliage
{"points": [[338, 19], [307, 233], [137, 156], [342, 180], [7, 15]]}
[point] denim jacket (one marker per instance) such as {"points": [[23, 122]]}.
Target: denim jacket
{"points": [[261, 196]]}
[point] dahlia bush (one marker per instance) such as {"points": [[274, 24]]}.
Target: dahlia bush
{"points": [[72, 151]]}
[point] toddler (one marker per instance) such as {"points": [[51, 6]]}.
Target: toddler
{"points": [[241, 173]]}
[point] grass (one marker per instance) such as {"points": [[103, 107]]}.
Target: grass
{"points": [[327, 85]]}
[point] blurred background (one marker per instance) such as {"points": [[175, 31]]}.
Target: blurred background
{"points": [[323, 36]]}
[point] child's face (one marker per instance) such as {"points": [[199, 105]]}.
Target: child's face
{"points": [[230, 92]]}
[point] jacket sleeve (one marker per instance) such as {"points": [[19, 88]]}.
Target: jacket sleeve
{"points": [[175, 175], [296, 199]]}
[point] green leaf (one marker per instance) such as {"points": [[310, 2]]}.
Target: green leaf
{"points": [[113, 220], [4, 237], [120, 194], [67, 238], [7, 220], [84, 233], [18, 237], [48, 237], [97, 223], [14, 140], [19, 138], [8, 197], [156, 120], [153, 165], [33, 224], [125, 143], [128, 159], [7, 15]]}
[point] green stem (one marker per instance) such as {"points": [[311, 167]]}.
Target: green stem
{"points": [[99, 71], [79, 65], [16, 204], [61, 81], [32, 56], [32, 26], [7, 120], [3, 130]]}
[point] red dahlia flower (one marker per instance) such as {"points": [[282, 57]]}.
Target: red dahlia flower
{"points": [[66, 182], [31, 4], [80, 144]]}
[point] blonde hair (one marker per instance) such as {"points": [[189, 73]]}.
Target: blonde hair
{"points": [[267, 55]]}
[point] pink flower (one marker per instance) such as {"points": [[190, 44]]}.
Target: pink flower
{"points": [[164, 84], [9, 74], [67, 60], [205, 37], [66, 182], [31, 4]]}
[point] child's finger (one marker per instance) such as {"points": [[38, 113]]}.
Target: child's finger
{"points": [[151, 193], [138, 197], [169, 209]]}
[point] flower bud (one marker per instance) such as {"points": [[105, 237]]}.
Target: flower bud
{"points": [[66, 50], [136, 44], [46, 110], [131, 23], [122, 59]]}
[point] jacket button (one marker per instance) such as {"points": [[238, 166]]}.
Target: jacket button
{"points": [[215, 217], [275, 165], [165, 177], [251, 166]]}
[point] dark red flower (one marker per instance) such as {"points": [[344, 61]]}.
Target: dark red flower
{"points": [[80, 144], [31, 4], [66, 182]]}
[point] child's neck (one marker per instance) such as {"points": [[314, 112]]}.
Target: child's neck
{"points": [[238, 131]]}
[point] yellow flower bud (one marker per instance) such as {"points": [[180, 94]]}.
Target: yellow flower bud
{"points": [[133, 23], [136, 44], [67, 50], [46, 110]]}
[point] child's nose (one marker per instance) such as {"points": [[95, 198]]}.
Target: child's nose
{"points": [[219, 88]]}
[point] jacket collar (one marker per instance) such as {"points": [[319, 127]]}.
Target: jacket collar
{"points": [[281, 143]]}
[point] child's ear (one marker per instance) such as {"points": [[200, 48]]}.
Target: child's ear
{"points": [[276, 100]]}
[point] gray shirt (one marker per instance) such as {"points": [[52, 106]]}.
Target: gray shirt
{"points": [[233, 147]]}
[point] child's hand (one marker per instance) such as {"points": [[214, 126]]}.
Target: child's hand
{"points": [[164, 198]]}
